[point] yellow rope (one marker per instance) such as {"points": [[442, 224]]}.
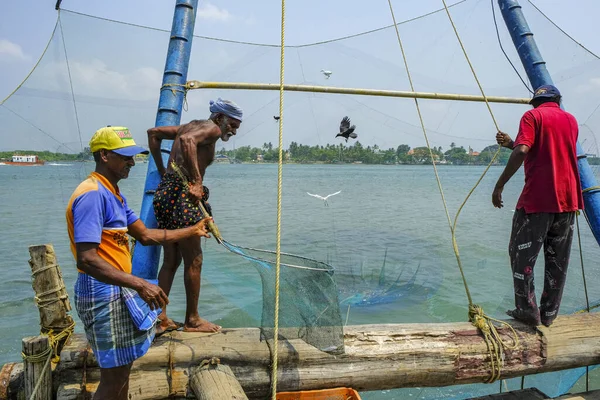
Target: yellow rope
{"points": [[173, 88], [590, 189], [484, 323], [479, 319], [279, 180], [49, 354], [56, 338]]}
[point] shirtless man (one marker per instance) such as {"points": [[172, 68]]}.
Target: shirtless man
{"points": [[174, 206]]}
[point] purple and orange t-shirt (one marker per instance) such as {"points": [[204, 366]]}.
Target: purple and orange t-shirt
{"points": [[98, 213]]}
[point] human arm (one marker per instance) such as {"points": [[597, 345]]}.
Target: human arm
{"points": [[199, 133], [90, 262], [161, 236], [514, 163], [525, 140], [155, 137]]}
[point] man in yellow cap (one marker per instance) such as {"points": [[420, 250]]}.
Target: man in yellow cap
{"points": [[118, 310]]}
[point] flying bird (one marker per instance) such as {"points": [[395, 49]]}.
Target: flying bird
{"points": [[346, 130], [326, 73], [324, 198], [276, 117]]}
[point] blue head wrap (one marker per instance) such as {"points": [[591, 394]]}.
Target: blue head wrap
{"points": [[226, 107]]}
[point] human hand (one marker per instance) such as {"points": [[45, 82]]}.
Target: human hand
{"points": [[152, 295], [497, 197], [196, 191], [201, 228], [504, 140]]}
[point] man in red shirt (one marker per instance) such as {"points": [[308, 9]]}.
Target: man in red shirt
{"points": [[545, 212]]}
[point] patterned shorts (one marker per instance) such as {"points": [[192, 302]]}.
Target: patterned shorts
{"points": [[173, 206]]}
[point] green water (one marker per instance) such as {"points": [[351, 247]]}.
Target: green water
{"points": [[396, 209]]}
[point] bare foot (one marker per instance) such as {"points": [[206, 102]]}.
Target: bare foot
{"points": [[167, 325], [200, 325]]}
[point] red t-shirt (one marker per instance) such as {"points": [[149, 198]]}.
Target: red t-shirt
{"points": [[551, 173]]}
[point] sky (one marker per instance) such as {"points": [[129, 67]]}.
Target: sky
{"points": [[24, 34]]}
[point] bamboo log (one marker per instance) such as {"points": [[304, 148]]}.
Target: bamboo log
{"points": [[50, 293], [11, 381], [355, 91], [214, 381], [377, 357], [38, 373]]}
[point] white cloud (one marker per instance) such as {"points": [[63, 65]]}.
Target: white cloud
{"points": [[12, 50], [591, 86], [209, 11], [96, 78], [212, 12]]}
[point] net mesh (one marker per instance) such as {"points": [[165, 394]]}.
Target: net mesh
{"points": [[308, 308], [387, 258]]}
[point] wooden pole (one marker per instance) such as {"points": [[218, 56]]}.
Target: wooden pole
{"points": [[363, 92], [214, 381], [38, 374], [377, 357], [51, 295]]}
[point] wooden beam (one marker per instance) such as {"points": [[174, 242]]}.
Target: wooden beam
{"points": [[51, 295], [377, 357], [355, 91], [215, 381], [38, 373]]}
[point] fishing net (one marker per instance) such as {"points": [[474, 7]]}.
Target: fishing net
{"points": [[379, 252], [308, 308]]}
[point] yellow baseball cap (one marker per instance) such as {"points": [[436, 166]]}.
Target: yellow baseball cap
{"points": [[117, 139]]}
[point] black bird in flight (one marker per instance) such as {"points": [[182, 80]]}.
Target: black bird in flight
{"points": [[346, 130], [276, 117]]}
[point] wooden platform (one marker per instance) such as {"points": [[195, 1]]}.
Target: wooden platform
{"points": [[535, 394]]}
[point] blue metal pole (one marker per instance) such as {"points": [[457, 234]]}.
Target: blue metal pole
{"points": [[170, 104], [538, 75]]}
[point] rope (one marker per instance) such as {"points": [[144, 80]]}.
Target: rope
{"points": [[495, 344], [263, 44], [35, 66], [47, 267], [476, 315], [55, 339], [50, 353], [62, 35], [502, 48], [279, 189], [47, 352], [587, 300], [590, 189], [560, 29], [171, 86]]}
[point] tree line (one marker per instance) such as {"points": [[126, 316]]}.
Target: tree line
{"points": [[332, 154], [46, 155]]}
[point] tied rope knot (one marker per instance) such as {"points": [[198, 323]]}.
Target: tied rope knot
{"points": [[477, 318], [494, 342]]}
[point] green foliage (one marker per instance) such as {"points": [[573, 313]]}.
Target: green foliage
{"points": [[328, 154], [343, 153], [85, 155]]}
